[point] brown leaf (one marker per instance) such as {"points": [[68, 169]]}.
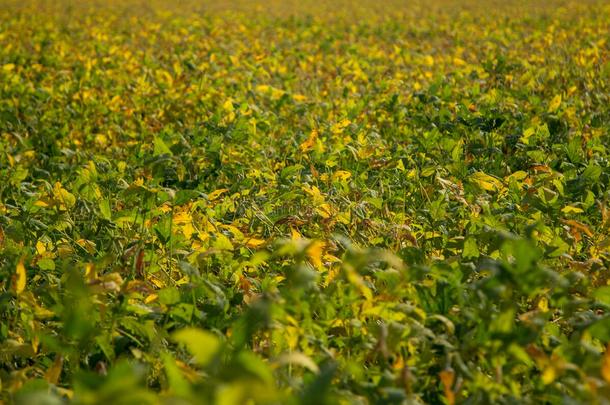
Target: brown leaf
{"points": [[447, 378], [140, 263], [576, 227]]}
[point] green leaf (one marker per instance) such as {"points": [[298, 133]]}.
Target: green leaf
{"points": [[201, 344], [104, 205], [46, 264], [592, 173], [602, 294], [160, 148], [471, 251], [177, 382], [169, 296], [255, 366]]}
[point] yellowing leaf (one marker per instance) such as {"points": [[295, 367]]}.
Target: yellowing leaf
{"points": [[356, 279], [486, 182], [54, 372], [222, 242], [88, 245], [19, 279], [525, 138], [63, 197], [341, 175], [518, 175]]}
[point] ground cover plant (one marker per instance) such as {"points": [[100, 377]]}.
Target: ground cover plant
{"points": [[304, 202]]}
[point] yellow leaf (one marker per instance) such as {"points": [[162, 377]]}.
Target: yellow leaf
{"points": [[184, 222], [340, 126], [341, 175], [90, 272], [549, 374], [309, 142], [165, 77], [295, 235], [188, 230], [254, 243], [263, 88], [19, 279], [324, 210], [570, 209], [299, 97], [228, 105], [217, 193], [314, 252], [459, 62], [150, 298], [555, 103], [543, 304]]}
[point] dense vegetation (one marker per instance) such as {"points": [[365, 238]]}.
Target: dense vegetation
{"points": [[292, 202]]}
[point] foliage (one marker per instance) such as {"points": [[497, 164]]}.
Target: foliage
{"points": [[286, 202]]}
